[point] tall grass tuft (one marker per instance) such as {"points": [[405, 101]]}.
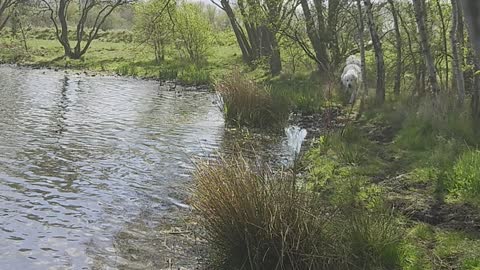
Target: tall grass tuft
{"points": [[464, 180], [432, 119], [257, 219], [246, 103]]}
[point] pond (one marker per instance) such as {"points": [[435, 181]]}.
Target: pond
{"points": [[90, 166]]}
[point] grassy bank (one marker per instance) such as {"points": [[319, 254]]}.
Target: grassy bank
{"points": [[396, 190], [114, 52]]}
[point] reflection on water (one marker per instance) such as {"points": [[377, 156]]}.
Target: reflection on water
{"points": [[80, 157], [90, 167]]}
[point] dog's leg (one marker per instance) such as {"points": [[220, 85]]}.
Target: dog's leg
{"points": [[352, 97], [363, 95]]}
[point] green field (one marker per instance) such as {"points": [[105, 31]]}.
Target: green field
{"points": [[110, 55]]}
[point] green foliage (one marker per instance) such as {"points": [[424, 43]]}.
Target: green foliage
{"points": [[246, 103], [13, 52], [193, 33], [154, 25], [427, 247], [194, 75], [305, 95], [464, 180], [433, 119]]}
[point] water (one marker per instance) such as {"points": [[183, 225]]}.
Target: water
{"points": [[295, 138], [90, 166]]}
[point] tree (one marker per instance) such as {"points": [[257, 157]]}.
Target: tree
{"points": [[420, 16], [456, 62], [99, 9], [193, 32], [154, 23], [471, 11], [6, 8], [315, 31], [377, 45], [398, 47], [243, 42], [262, 22]]}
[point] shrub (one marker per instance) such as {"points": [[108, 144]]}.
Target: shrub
{"points": [[193, 33], [246, 103], [154, 26], [258, 220], [464, 181], [373, 240]]}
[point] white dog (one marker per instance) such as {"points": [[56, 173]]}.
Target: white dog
{"points": [[352, 77]]}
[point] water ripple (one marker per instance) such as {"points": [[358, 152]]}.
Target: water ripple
{"points": [[81, 156]]}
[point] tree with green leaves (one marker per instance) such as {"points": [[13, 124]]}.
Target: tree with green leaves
{"points": [[154, 25], [193, 33]]}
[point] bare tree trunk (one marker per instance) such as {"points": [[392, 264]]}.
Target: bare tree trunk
{"points": [[457, 64], [445, 42], [319, 47], [361, 41], [6, 8], [239, 34], [331, 31], [58, 16], [377, 45], [410, 51], [471, 11], [275, 59], [398, 46], [420, 15]]}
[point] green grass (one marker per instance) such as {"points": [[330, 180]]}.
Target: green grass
{"points": [[427, 247], [464, 180], [114, 53]]}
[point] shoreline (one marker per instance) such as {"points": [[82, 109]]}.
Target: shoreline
{"points": [[95, 73]]}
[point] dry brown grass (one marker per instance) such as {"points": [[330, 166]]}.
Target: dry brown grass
{"points": [[246, 103], [256, 219]]}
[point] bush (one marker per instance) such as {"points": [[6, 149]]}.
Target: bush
{"points": [[373, 240], [194, 35], [246, 103], [464, 181], [256, 219]]}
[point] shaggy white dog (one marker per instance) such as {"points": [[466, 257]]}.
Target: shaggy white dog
{"points": [[352, 77]]}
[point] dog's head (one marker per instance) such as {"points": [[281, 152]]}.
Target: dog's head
{"points": [[350, 81]]}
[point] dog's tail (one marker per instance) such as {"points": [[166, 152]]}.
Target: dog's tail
{"points": [[353, 60]]}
